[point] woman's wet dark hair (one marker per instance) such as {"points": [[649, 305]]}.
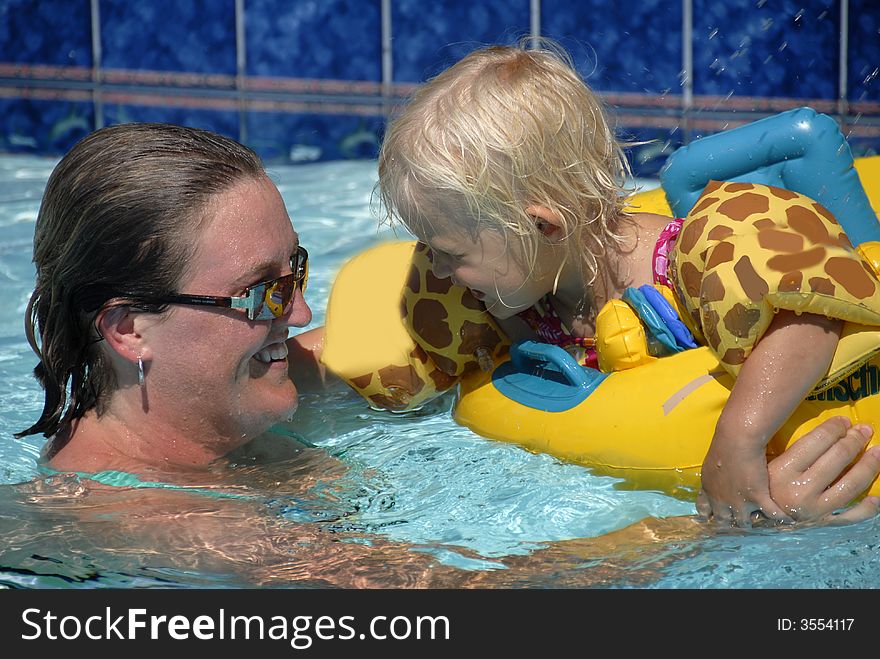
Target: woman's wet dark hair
{"points": [[116, 226]]}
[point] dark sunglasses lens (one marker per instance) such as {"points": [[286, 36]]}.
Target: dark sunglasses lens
{"points": [[301, 267], [276, 297]]}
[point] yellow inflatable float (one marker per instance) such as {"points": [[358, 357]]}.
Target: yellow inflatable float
{"points": [[649, 413]]}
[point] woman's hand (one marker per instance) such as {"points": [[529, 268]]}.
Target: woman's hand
{"points": [[816, 476]]}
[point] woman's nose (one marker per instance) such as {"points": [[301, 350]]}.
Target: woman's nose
{"points": [[300, 313]]}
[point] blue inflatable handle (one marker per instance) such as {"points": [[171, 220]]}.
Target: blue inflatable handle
{"points": [[800, 150], [546, 353], [533, 377]]}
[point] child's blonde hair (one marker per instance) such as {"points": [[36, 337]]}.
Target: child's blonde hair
{"points": [[503, 129]]}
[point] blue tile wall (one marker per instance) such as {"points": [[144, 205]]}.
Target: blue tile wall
{"points": [[759, 53], [37, 126], [607, 41], [650, 147], [219, 121], [862, 147], [778, 48], [56, 32], [281, 138], [430, 36], [196, 36], [863, 79], [337, 39]]}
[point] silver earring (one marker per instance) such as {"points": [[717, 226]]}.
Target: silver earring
{"points": [[140, 372]]}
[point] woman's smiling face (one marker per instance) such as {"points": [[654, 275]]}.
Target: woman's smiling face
{"points": [[214, 367]]}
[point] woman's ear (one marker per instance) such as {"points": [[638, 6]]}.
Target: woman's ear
{"points": [[116, 324], [547, 221]]}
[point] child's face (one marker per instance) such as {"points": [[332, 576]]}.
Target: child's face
{"points": [[494, 268]]}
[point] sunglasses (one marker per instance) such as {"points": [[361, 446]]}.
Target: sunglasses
{"points": [[262, 301]]}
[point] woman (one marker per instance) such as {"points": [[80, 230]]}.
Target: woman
{"points": [[168, 272], [146, 236]]}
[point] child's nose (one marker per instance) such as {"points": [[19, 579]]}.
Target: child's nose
{"points": [[440, 266]]}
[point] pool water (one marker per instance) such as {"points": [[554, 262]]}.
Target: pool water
{"points": [[418, 481]]}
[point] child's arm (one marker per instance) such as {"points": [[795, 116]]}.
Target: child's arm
{"points": [[784, 366]]}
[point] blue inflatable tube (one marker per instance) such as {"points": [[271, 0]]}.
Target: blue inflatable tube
{"points": [[799, 150]]}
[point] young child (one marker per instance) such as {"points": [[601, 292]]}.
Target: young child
{"points": [[506, 167]]}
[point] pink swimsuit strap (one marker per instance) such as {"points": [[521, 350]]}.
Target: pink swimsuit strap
{"points": [[550, 329], [662, 249]]}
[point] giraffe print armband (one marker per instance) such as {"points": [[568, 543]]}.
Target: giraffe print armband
{"points": [[747, 250], [399, 336], [447, 321]]}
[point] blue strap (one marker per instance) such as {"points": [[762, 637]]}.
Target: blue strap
{"points": [[125, 479]]}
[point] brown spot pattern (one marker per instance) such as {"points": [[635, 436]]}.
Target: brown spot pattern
{"points": [[740, 320], [741, 207], [822, 285], [805, 221], [852, 276], [362, 381], [712, 288], [691, 233], [722, 253], [435, 285], [690, 277], [791, 282], [719, 233], [711, 186], [468, 301], [824, 212], [444, 363], [441, 380], [734, 356], [799, 261], [764, 223], [738, 187], [702, 204], [782, 193], [429, 321], [780, 241], [418, 353], [752, 284]]}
